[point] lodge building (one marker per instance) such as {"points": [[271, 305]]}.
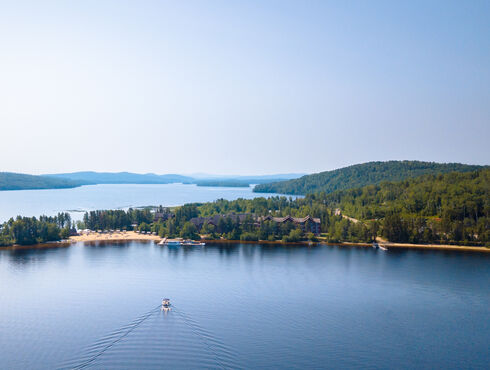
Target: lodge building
{"points": [[307, 224]]}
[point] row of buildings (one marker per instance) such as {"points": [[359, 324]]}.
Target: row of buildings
{"points": [[306, 224]]}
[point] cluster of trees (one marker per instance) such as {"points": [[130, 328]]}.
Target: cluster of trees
{"points": [[360, 175], [449, 208], [115, 219], [443, 208], [335, 228], [30, 230]]}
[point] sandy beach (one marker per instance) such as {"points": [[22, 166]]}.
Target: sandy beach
{"points": [[122, 235]]}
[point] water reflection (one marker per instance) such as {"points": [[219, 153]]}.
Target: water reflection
{"points": [[242, 305]]}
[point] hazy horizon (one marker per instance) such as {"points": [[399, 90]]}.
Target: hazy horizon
{"points": [[209, 175], [241, 88]]}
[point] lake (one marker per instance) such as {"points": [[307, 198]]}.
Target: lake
{"points": [[93, 197], [242, 306]]}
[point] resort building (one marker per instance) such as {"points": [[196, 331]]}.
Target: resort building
{"points": [[308, 224], [163, 214], [214, 220]]}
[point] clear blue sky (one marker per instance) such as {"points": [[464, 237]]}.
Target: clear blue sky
{"points": [[248, 87]]}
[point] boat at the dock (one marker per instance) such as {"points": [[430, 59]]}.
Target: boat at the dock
{"points": [[191, 243], [378, 246], [180, 242]]}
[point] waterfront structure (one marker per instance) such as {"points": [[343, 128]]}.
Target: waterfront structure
{"points": [[306, 224], [214, 220], [162, 214]]}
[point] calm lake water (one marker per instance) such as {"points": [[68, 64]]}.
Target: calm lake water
{"points": [[92, 197], [242, 306]]}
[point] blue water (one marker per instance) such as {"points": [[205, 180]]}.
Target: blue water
{"points": [[242, 306], [93, 197]]}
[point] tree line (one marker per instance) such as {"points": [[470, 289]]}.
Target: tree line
{"points": [[32, 230], [444, 208]]}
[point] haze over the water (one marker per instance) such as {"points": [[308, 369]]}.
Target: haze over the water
{"points": [[247, 87]]}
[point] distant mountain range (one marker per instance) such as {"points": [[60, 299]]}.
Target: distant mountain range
{"points": [[355, 176], [17, 181], [360, 175], [91, 178]]}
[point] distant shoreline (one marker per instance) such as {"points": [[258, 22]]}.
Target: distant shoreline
{"points": [[133, 236]]}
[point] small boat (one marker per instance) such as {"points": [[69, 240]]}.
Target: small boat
{"points": [[191, 243], [377, 246], [170, 242], [179, 242], [166, 304]]}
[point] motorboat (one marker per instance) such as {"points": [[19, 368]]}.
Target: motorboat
{"points": [[191, 243], [377, 246], [166, 304], [180, 242]]}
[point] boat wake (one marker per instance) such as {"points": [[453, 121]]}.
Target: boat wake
{"points": [[155, 339]]}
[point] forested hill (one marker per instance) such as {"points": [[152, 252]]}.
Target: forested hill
{"points": [[453, 207], [359, 175], [17, 181]]}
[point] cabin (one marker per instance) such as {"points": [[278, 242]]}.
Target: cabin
{"points": [[162, 214]]}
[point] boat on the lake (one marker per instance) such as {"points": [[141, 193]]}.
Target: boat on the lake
{"points": [[191, 243], [166, 303], [179, 242], [377, 246]]}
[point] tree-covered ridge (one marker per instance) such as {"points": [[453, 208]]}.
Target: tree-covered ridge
{"points": [[359, 175], [453, 207], [18, 181]]}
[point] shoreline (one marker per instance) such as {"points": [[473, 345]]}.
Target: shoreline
{"points": [[133, 236], [114, 236], [442, 247]]}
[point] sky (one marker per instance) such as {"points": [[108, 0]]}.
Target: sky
{"points": [[241, 87]]}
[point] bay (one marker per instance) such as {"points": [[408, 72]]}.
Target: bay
{"points": [[242, 306], [107, 196]]}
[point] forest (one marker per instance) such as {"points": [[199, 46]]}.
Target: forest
{"points": [[335, 227], [446, 208], [359, 175], [450, 208], [32, 230]]}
